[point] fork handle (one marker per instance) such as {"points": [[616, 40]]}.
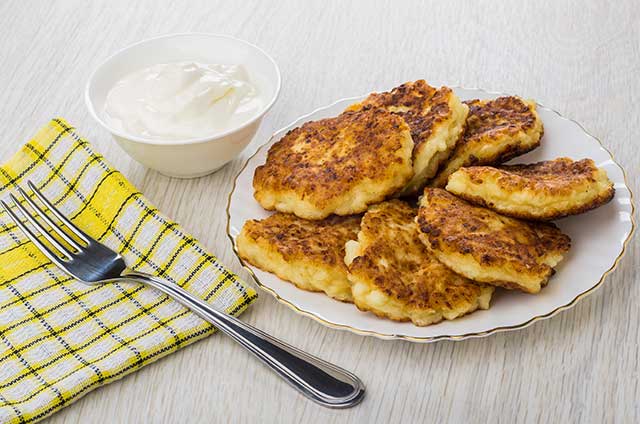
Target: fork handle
{"points": [[320, 381]]}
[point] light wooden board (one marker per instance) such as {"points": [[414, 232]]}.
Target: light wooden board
{"points": [[580, 58]]}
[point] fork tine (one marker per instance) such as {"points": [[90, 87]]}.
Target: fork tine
{"points": [[49, 221], [43, 231], [77, 231], [27, 232]]}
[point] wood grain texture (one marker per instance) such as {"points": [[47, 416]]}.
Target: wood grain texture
{"points": [[582, 59]]}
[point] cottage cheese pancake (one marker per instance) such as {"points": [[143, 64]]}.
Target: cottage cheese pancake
{"points": [[496, 131], [436, 118], [336, 166], [540, 191], [487, 247], [395, 276], [310, 254]]}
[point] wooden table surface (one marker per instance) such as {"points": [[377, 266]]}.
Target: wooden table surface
{"points": [[578, 58]]}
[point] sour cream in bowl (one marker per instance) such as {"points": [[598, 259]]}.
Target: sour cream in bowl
{"points": [[184, 104]]}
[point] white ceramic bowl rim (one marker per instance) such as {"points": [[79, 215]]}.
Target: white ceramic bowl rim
{"points": [[211, 137]]}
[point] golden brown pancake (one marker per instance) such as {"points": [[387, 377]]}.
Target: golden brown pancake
{"points": [[394, 275], [496, 131], [310, 254], [336, 166], [487, 247], [436, 118], [540, 191]]}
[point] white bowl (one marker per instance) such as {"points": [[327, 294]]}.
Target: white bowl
{"points": [[192, 157]]}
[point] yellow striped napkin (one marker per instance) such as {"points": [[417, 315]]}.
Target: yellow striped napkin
{"points": [[59, 338]]}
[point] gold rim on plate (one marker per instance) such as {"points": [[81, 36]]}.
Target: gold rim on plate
{"points": [[429, 339]]}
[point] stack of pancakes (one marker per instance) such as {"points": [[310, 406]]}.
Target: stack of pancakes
{"points": [[349, 221]]}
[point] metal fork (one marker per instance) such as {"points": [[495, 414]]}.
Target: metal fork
{"points": [[91, 262]]}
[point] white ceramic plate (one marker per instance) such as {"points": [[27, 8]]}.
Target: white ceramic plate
{"points": [[598, 242]]}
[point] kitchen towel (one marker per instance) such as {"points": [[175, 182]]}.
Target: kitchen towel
{"points": [[60, 338]]}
